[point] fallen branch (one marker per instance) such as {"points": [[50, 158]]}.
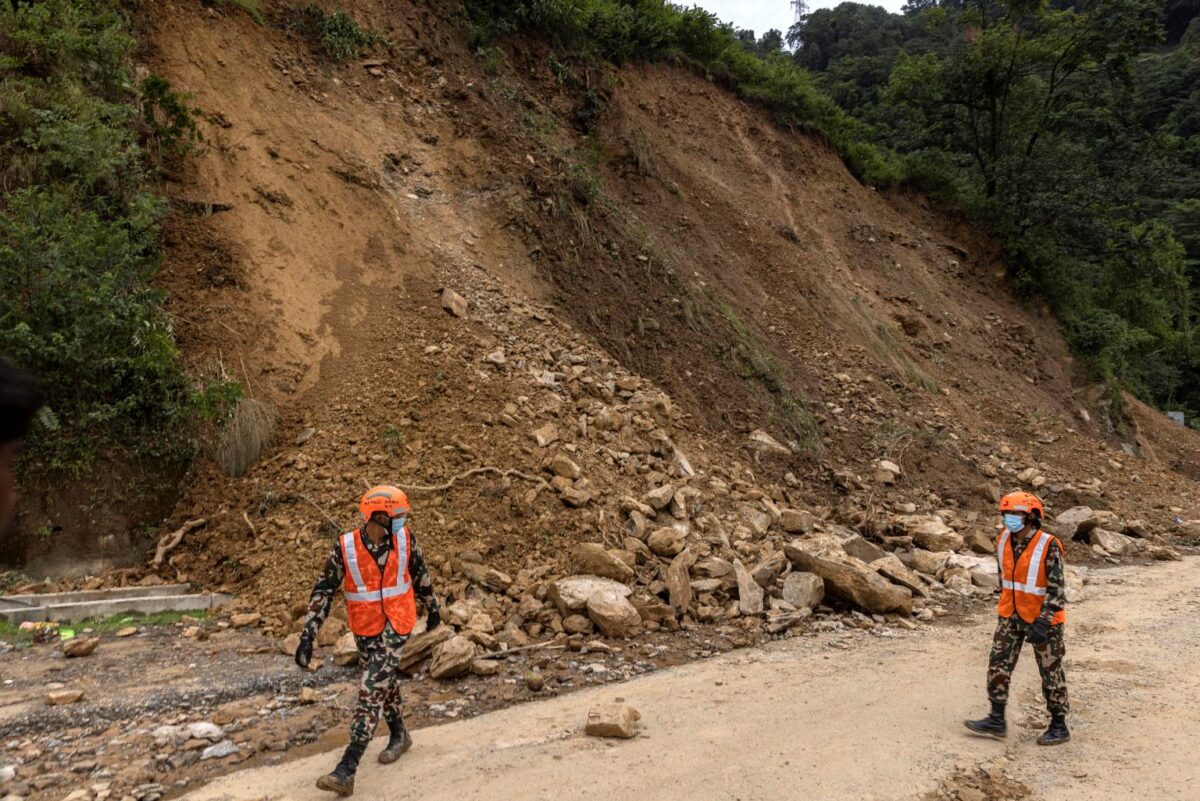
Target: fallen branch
{"points": [[541, 482], [169, 542], [332, 522], [498, 654]]}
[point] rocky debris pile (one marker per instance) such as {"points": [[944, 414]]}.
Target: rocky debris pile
{"points": [[1111, 536]]}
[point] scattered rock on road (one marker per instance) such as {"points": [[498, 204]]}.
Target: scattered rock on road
{"points": [[80, 646], [615, 720], [63, 697]]}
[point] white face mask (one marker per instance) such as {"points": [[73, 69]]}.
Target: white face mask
{"points": [[398, 524]]}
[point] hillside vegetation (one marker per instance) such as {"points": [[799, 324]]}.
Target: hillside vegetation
{"points": [[1072, 131]]}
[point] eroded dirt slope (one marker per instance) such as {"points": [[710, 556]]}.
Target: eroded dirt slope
{"points": [[683, 275]]}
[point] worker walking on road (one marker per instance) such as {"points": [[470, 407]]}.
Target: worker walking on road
{"points": [[381, 573], [1032, 607]]}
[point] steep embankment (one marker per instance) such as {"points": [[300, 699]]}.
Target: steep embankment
{"points": [[653, 292]]}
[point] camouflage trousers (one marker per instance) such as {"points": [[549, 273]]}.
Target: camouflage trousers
{"points": [[1006, 648], [379, 688]]}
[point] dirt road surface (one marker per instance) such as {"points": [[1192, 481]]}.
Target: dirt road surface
{"points": [[837, 716]]}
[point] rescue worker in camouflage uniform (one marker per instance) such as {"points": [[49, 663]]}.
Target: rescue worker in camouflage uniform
{"points": [[1032, 608], [382, 573]]}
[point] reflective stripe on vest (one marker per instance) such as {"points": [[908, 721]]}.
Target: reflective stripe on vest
{"points": [[401, 587]]}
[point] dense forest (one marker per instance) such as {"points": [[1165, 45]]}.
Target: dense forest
{"points": [[1072, 130]]}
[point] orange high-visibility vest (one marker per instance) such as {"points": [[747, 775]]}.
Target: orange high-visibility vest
{"points": [[374, 598], [1023, 585]]}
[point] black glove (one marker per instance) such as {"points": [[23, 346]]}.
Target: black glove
{"points": [[433, 619], [1039, 632], [304, 651]]}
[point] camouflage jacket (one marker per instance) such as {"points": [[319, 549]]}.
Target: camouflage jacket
{"points": [[332, 576]]}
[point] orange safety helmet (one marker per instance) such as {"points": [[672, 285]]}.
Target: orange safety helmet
{"points": [[1024, 502], [384, 498]]}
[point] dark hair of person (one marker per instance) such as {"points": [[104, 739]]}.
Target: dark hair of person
{"points": [[20, 398]]}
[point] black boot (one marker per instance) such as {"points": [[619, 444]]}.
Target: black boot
{"points": [[1057, 734], [993, 725], [399, 741], [341, 781]]}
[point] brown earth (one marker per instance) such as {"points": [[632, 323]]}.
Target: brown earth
{"points": [[687, 242]]}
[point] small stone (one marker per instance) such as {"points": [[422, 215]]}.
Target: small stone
{"points": [[575, 497], [204, 730], [750, 594], [345, 652], [486, 577], [220, 750], [590, 558], [452, 658], [80, 646], [241, 621], [796, 521], [562, 465], [535, 681], [308, 695], [659, 498], [128, 631], [545, 435], [615, 720], [803, 590], [765, 443], [454, 303], [577, 624], [666, 541], [496, 357], [485, 667], [613, 614], [63, 697]]}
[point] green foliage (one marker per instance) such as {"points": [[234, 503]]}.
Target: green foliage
{"points": [[623, 30], [251, 7], [78, 231], [1070, 135], [171, 122], [333, 34]]}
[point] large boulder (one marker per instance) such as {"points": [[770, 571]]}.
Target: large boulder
{"points": [[452, 658], [891, 568], [930, 532], [928, 562], [848, 578], [1076, 522], [1111, 542], [419, 646], [803, 590], [590, 558], [571, 594], [613, 614]]}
